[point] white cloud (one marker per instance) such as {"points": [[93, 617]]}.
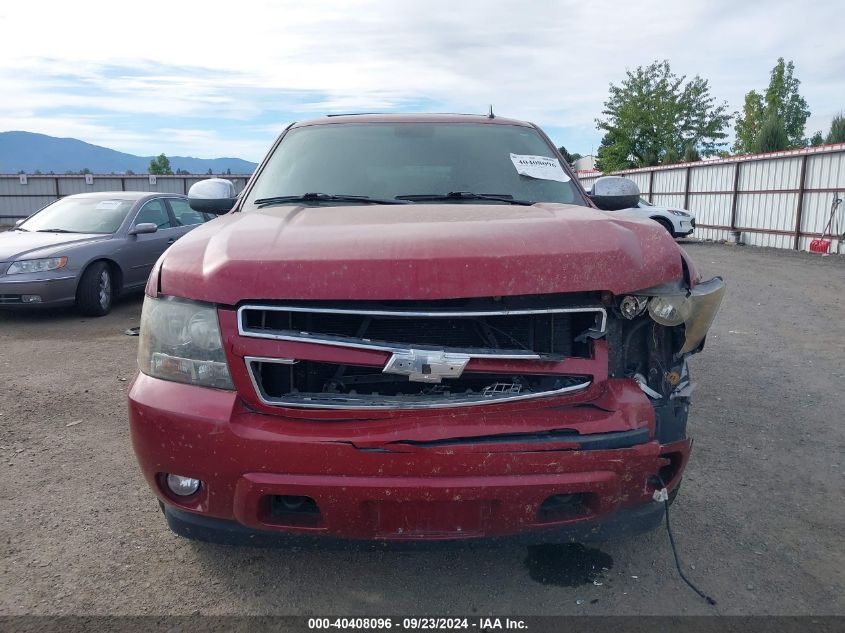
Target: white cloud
{"points": [[548, 61], [200, 143]]}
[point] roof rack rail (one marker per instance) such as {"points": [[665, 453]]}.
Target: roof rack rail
{"points": [[352, 114], [486, 116]]}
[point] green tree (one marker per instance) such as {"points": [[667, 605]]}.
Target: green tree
{"points": [[654, 112], [837, 130], [782, 101], [209, 172], [817, 139], [691, 154], [772, 136], [570, 158], [748, 123], [182, 172], [129, 172], [670, 157], [160, 166], [613, 154]]}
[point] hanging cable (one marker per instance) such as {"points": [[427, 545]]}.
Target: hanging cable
{"points": [[663, 494]]}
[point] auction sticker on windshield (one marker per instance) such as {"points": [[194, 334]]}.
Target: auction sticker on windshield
{"points": [[541, 167]]}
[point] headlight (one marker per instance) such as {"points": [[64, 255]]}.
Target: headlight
{"points": [[669, 311], [36, 265], [696, 310], [704, 301], [180, 341]]}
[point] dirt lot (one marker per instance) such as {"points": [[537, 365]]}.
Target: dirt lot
{"points": [[759, 521]]}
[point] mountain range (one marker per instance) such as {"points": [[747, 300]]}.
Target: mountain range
{"points": [[28, 152]]}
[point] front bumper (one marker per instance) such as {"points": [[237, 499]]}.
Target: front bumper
{"points": [[685, 227], [55, 291], [622, 524], [396, 492]]}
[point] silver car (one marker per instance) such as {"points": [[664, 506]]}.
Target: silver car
{"points": [[88, 248]]}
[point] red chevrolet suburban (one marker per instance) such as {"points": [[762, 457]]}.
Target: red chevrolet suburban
{"points": [[417, 327]]}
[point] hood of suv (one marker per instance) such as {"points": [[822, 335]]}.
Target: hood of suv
{"points": [[417, 252]]}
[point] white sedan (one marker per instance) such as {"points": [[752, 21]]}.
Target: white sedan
{"points": [[678, 222]]}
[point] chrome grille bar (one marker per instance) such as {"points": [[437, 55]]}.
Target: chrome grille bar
{"points": [[365, 402], [367, 344]]}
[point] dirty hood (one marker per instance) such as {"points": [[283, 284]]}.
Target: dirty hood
{"points": [[28, 245], [409, 252]]}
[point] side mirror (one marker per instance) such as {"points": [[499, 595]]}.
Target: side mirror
{"points": [[215, 195], [612, 193], [143, 228]]}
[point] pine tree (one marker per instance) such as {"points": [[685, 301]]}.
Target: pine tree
{"points": [[772, 136], [837, 130]]}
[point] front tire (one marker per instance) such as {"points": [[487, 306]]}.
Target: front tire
{"points": [[95, 293]]}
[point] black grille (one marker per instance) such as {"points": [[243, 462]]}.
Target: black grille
{"points": [[430, 347], [551, 334], [325, 384], [10, 299]]}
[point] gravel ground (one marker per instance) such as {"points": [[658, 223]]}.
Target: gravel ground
{"points": [[758, 522]]}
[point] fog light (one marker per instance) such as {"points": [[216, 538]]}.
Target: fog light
{"points": [[31, 298], [182, 486], [631, 307]]}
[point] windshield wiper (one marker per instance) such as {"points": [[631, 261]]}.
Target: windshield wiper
{"points": [[465, 195], [18, 228], [55, 231], [326, 197]]}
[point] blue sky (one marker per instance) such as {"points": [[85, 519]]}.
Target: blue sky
{"points": [[215, 79]]}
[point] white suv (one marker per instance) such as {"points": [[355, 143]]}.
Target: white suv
{"points": [[678, 222]]}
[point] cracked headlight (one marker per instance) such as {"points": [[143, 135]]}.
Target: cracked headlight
{"points": [[36, 265], [669, 311], [696, 310], [180, 341]]}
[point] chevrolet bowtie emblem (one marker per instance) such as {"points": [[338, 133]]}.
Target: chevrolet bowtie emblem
{"points": [[426, 366]]}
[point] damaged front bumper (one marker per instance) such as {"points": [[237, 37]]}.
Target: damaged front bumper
{"points": [[625, 523], [263, 473]]}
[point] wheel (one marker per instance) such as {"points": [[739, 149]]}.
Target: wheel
{"points": [[96, 290], [666, 224]]}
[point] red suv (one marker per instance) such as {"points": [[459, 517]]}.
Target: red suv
{"points": [[417, 327]]}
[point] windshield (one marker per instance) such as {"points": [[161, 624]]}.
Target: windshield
{"points": [[79, 215], [386, 160]]}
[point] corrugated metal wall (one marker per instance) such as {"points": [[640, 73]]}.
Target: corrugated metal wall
{"points": [[782, 200], [18, 200]]}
